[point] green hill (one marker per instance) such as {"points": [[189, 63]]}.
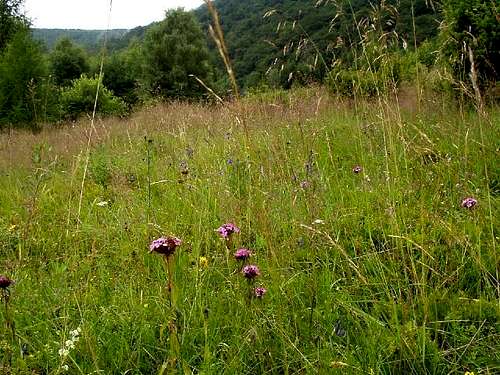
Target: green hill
{"points": [[304, 36], [89, 39]]}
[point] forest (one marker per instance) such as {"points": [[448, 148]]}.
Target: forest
{"points": [[271, 44]]}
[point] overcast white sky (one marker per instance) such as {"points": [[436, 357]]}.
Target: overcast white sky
{"points": [[93, 14]]}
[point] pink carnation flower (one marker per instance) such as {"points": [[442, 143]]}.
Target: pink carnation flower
{"points": [[227, 229], [242, 254], [5, 282], [251, 271], [469, 202], [259, 292], [165, 245]]}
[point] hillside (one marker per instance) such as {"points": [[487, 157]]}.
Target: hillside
{"points": [[89, 39], [306, 36]]}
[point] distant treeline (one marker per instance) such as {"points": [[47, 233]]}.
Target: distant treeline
{"points": [[88, 39]]}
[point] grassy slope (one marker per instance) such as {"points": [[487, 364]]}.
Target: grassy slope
{"points": [[397, 279]]}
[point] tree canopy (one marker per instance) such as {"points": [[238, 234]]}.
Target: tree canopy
{"points": [[67, 62], [11, 20], [175, 50]]}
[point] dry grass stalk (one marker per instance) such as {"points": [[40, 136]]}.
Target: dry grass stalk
{"points": [[474, 80], [218, 37]]}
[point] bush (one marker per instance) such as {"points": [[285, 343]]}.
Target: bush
{"points": [[79, 99]]}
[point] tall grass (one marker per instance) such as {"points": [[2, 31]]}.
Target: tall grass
{"points": [[380, 271]]}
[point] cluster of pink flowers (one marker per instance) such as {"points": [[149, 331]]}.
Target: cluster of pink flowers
{"points": [[167, 245], [249, 271], [260, 291]]}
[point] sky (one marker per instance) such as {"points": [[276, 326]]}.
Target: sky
{"points": [[93, 14]]}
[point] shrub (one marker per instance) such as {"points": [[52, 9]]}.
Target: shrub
{"points": [[79, 99]]}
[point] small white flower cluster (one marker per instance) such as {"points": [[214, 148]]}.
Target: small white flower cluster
{"points": [[70, 344]]}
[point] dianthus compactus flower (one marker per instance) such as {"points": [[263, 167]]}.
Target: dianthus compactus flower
{"points": [[469, 202], [227, 229], [259, 292], [251, 271], [242, 254], [165, 245], [5, 282]]}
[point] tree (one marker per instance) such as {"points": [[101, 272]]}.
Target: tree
{"points": [[67, 62], [11, 20], [22, 72], [174, 51]]}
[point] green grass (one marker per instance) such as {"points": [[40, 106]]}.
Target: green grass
{"points": [[397, 278]]}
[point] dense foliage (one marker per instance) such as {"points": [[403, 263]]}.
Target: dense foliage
{"points": [[280, 42], [80, 98], [472, 26]]}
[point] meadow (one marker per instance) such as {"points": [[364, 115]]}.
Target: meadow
{"points": [[352, 210]]}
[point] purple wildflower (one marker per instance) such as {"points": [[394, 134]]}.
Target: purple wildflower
{"points": [[357, 169], [469, 202], [251, 271], [165, 245], [304, 184], [259, 292], [242, 254], [227, 229], [5, 282]]}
